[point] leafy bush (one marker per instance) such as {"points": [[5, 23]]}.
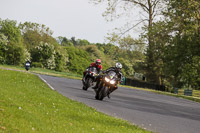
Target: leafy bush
{"points": [[60, 61], [78, 60], [45, 54], [3, 48], [37, 64], [12, 50]]}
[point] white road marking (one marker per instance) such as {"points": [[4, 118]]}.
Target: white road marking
{"points": [[46, 82]]}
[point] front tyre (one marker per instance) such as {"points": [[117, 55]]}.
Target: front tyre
{"points": [[102, 93], [84, 88], [88, 82]]}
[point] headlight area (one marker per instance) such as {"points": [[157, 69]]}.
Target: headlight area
{"points": [[112, 82], [109, 81]]}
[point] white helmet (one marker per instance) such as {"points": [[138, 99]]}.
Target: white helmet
{"points": [[118, 65]]}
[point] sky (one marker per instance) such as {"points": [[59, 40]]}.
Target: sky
{"points": [[68, 18]]}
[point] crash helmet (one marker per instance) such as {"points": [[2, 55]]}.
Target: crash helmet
{"points": [[98, 61], [118, 66]]}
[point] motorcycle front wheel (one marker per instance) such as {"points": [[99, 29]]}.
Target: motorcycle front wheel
{"points": [[101, 93]]}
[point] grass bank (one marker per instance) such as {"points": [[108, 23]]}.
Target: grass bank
{"points": [[195, 96], [29, 105], [44, 71]]}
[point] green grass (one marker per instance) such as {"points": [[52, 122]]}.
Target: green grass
{"points": [[195, 96], [29, 105], [45, 72], [55, 73]]}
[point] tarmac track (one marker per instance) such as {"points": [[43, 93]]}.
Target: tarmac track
{"points": [[154, 112]]}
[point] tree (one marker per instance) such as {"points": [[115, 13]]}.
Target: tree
{"points": [[44, 53], [15, 52], [132, 51], [74, 41], [190, 75], [34, 33], [63, 41], [3, 48], [10, 30], [78, 60], [183, 24], [95, 53], [152, 8], [83, 42]]}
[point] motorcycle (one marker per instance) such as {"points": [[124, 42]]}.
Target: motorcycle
{"points": [[107, 84], [90, 78], [27, 66]]}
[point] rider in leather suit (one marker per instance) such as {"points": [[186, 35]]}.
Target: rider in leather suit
{"points": [[96, 64], [117, 69]]}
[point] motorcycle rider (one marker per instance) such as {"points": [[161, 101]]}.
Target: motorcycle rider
{"points": [[117, 69], [96, 64]]}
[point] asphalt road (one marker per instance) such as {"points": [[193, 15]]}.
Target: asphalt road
{"points": [[154, 112]]}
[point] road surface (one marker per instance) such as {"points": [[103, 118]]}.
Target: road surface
{"points": [[154, 112]]}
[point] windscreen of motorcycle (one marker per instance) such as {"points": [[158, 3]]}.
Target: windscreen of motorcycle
{"points": [[112, 74], [93, 70]]}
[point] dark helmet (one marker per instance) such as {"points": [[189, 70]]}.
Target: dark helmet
{"points": [[98, 62], [118, 66]]}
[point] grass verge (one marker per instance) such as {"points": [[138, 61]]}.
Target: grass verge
{"points": [[180, 94], [44, 72], [29, 105]]}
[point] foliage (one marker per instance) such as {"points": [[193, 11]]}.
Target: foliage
{"points": [[190, 73], [167, 52], [159, 30], [10, 30], [78, 60], [150, 10], [95, 53], [132, 51], [37, 64], [183, 49], [61, 60], [15, 55], [44, 53], [3, 48], [13, 52], [63, 41], [34, 33], [83, 42]]}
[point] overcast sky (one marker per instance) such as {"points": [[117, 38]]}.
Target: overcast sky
{"points": [[67, 18]]}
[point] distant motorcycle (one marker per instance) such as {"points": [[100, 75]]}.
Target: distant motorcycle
{"points": [[106, 85], [90, 78], [27, 65]]}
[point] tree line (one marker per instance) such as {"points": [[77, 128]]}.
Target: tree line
{"points": [[34, 42], [167, 52], [171, 29]]}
